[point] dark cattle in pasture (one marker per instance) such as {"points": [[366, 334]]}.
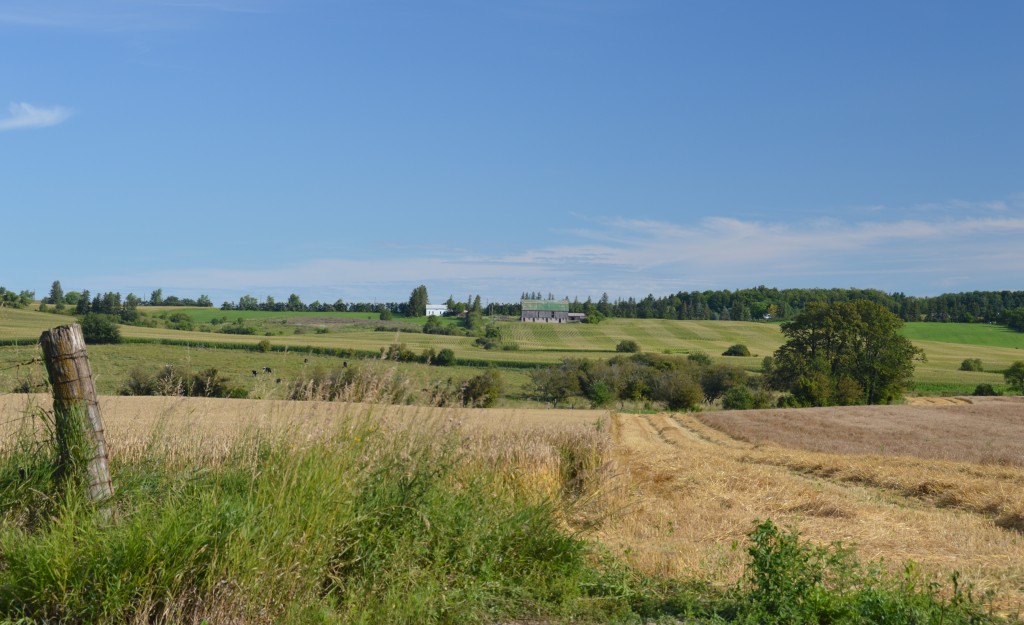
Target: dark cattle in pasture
{"points": [[266, 369], [254, 373]]}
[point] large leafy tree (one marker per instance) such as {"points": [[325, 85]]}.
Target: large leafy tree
{"points": [[844, 353]]}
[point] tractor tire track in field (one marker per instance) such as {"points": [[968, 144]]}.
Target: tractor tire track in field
{"points": [[687, 435], [670, 430], [691, 490]]}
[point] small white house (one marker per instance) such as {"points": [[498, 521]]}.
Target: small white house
{"points": [[436, 310]]}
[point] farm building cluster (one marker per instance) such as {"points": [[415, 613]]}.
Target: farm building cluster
{"points": [[548, 311]]}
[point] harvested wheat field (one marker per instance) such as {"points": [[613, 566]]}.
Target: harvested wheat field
{"points": [[937, 485]]}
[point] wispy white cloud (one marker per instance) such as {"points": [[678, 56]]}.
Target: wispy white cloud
{"points": [[24, 115], [633, 257]]}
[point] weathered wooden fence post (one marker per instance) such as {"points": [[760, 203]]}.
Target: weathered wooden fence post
{"points": [[79, 428]]}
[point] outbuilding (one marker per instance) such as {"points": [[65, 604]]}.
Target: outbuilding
{"points": [[545, 310]]}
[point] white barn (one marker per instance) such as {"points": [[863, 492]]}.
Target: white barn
{"points": [[436, 310]]}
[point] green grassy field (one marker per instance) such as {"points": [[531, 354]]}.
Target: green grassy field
{"points": [[980, 334], [945, 345]]}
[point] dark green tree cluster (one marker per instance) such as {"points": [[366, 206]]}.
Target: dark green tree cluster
{"points": [[109, 304], [156, 298], [11, 299], [763, 303], [972, 364], [418, 302], [98, 329], [1014, 319], [678, 383], [56, 296], [1014, 376], [843, 353], [483, 390]]}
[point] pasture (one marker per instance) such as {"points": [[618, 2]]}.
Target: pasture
{"points": [[523, 346]]}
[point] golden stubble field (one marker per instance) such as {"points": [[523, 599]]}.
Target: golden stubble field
{"points": [[941, 485]]}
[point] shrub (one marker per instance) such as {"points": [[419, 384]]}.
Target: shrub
{"points": [[984, 390], [738, 398], [483, 390], [737, 350], [99, 329], [179, 321], [1014, 376], [237, 328], [701, 358], [172, 380], [263, 346], [628, 346], [716, 380], [399, 353], [679, 389], [790, 581], [971, 364], [600, 395], [444, 358]]}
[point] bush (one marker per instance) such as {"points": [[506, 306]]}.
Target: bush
{"points": [[679, 389], [737, 350], [483, 390], [1014, 376], [444, 358], [237, 329], [100, 329], [600, 395], [399, 353], [701, 358], [738, 398], [180, 321], [971, 364], [985, 390], [172, 380], [628, 346], [263, 346], [790, 581]]}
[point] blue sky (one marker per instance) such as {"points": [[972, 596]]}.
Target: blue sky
{"points": [[356, 149]]}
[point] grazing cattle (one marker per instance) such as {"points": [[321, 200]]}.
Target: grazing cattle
{"points": [[266, 369], [254, 373], [344, 364], [278, 381], [305, 361]]}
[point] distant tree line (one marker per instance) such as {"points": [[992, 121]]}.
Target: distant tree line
{"points": [[81, 302], [758, 303], [770, 303]]}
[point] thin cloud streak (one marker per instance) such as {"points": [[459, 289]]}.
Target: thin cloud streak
{"points": [[24, 115], [633, 257]]}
